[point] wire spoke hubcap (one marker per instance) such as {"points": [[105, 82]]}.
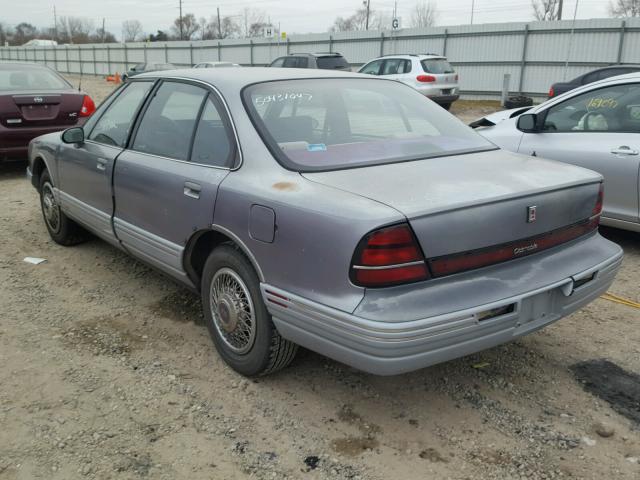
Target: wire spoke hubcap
{"points": [[232, 310], [50, 207]]}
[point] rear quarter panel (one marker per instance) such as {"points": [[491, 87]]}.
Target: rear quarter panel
{"points": [[317, 231]]}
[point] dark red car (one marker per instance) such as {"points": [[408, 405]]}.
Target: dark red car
{"points": [[35, 100]]}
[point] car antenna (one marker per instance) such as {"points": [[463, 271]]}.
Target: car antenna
{"points": [[80, 81]]}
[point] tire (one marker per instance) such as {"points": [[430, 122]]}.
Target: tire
{"points": [[253, 347], [446, 106], [62, 229], [518, 101]]}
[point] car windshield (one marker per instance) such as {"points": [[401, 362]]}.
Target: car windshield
{"points": [[331, 63], [436, 66], [332, 123], [30, 77]]}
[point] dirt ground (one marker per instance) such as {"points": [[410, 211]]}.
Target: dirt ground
{"points": [[107, 372]]}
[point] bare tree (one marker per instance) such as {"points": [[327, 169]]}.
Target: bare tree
{"points": [[357, 21], [252, 16], [424, 14], [546, 10], [624, 8], [226, 27], [189, 26], [131, 30], [24, 32], [74, 29]]}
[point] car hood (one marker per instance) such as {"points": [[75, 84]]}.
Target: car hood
{"points": [[497, 117]]}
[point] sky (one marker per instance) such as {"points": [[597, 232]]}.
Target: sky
{"points": [[294, 16]]}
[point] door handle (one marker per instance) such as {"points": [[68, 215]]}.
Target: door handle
{"points": [[624, 150], [102, 164], [192, 189]]}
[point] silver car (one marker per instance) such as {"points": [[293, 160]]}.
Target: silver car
{"points": [[330, 210], [430, 74], [596, 126]]}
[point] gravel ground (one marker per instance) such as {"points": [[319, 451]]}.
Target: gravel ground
{"points": [[109, 373]]}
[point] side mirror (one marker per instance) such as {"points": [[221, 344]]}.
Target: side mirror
{"points": [[73, 135], [528, 123]]}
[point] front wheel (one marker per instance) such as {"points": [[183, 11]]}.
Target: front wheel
{"points": [[61, 228], [237, 319]]}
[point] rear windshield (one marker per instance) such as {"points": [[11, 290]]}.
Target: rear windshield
{"points": [[332, 63], [332, 123], [436, 66], [30, 77]]}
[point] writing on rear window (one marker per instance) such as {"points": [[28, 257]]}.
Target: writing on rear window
{"points": [[261, 100]]}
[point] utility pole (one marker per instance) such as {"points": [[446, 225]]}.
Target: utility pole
{"points": [[367, 3], [181, 35], [559, 9], [219, 24], [55, 24], [102, 29], [473, 7]]}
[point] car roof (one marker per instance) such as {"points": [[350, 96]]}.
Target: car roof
{"points": [[412, 55], [24, 64], [232, 80], [317, 54]]}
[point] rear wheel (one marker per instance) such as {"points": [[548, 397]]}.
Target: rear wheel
{"points": [[61, 228], [237, 319]]}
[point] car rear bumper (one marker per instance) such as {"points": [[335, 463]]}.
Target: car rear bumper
{"points": [[443, 99], [14, 142], [364, 340]]}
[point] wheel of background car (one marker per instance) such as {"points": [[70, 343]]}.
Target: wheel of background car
{"points": [[446, 106], [62, 229], [518, 101], [237, 318]]}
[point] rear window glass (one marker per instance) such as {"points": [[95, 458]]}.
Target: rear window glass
{"points": [[332, 63], [328, 124], [436, 66], [28, 77]]}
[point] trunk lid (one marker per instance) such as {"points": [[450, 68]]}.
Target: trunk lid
{"points": [[33, 109], [467, 202]]}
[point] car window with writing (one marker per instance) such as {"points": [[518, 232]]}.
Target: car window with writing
{"points": [[602, 110]]}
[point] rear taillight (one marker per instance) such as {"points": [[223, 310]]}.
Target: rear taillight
{"points": [[88, 107], [551, 92], [597, 209], [426, 78], [389, 256]]}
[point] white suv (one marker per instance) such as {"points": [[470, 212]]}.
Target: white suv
{"points": [[430, 74]]}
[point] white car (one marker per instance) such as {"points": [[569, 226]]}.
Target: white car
{"points": [[215, 65], [596, 126], [430, 74]]}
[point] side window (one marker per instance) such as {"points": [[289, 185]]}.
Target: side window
{"points": [[211, 145], [372, 68], [391, 66], [168, 123], [277, 62], [114, 125], [296, 62], [609, 109]]}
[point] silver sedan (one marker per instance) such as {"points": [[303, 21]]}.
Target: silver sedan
{"points": [[336, 211], [596, 126]]}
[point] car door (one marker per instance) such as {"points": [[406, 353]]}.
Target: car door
{"points": [[600, 130], [85, 169], [165, 183]]}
